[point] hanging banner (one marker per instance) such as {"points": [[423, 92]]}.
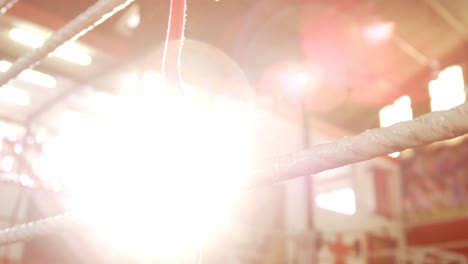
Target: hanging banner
{"points": [[435, 183], [341, 248]]}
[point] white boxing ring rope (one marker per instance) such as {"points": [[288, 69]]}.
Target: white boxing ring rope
{"points": [[5, 5], [74, 29], [28, 231], [426, 129]]}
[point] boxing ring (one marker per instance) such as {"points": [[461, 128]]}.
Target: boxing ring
{"points": [[429, 128]]}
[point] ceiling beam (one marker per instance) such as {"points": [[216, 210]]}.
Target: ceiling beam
{"points": [[410, 50], [448, 17], [114, 46]]}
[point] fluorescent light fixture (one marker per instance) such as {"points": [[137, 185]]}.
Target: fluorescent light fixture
{"points": [[14, 96], [152, 82], [31, 76], [68, 52], [129, 21], [404, 101]]}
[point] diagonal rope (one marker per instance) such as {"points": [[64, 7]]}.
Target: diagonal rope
{"points": [[429, 128], [86, 21]]}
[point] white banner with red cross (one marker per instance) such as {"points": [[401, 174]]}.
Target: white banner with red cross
{"points": [[341, 248]]}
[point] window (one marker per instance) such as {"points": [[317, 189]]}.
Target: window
{"points": [[448, 90], [399, 111], [341, 201]]}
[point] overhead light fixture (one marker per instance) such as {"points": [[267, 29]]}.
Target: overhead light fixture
{"points": [[14, 96], [68, 52], [129, 21], [71, 54], [31, 76], [133, 20], [26, 38]]}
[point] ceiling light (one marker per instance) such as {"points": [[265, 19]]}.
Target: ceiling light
{"points": [[26, 38], [129, 21], [151, 82], [68, 52], [71, 54], [31, 76], [15, 96], [133, 21], [379, 32]]}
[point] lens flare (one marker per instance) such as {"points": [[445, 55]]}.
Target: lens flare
{"points": [[158, 177]]}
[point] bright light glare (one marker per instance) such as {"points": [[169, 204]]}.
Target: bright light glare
{"points": [[158, 177], [67, 52], [31, 76], [133, 19], [15, 96], [448, 90], [152, 84], [394, 155], [302, 78], [341, 201], [296, 80], [379, 32], [26, 38]]}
